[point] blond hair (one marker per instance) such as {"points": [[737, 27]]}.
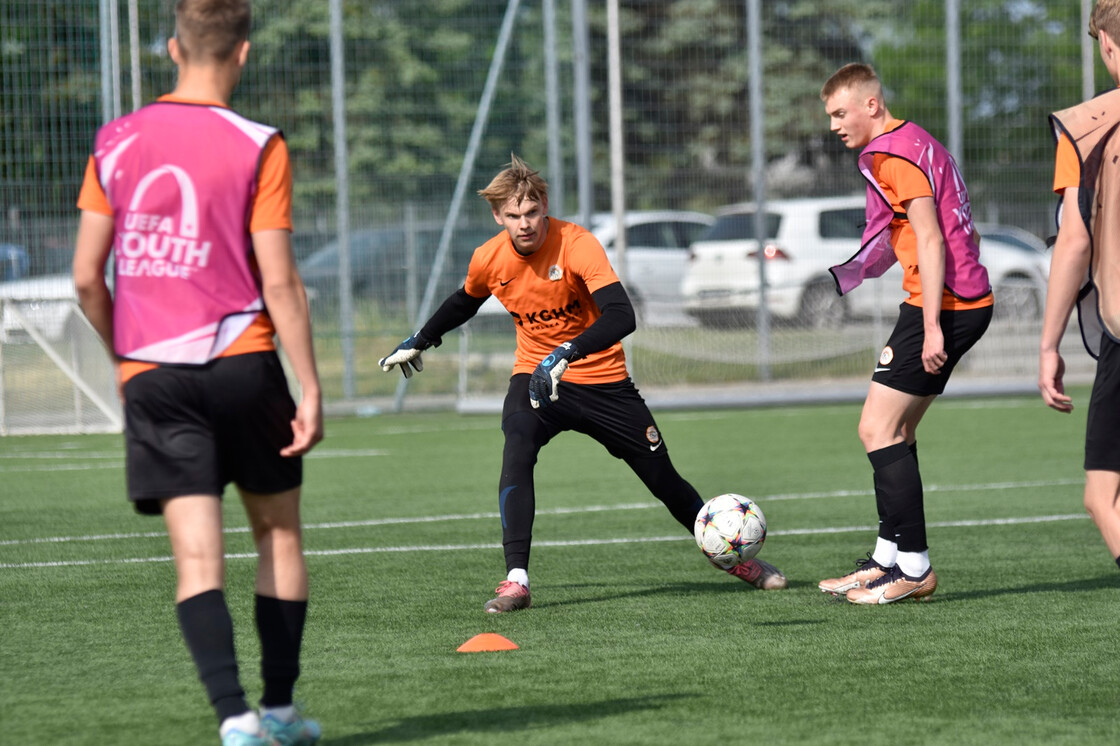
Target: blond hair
{"points": [[517, 181], [1105, 17], [211, 30], [853, 76]]}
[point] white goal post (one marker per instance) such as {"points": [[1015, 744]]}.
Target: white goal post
{"points": [[55, 376]]}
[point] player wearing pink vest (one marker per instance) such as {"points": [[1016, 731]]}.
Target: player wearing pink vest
{"points": [[1085, 271], [181, 239], [918, 213], [190, 206], [965, 276]]}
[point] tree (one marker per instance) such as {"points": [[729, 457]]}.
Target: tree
{"points": [[1006, 98], [686, 88]]}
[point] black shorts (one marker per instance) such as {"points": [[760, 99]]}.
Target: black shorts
{"points": [[193, 430], [900, 363], [614, 414], [1102, 427]]}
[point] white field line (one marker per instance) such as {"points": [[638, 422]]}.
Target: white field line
{"points": [[554, 511], [55, 455], [116, 460], [577, 543], [547, 511]]}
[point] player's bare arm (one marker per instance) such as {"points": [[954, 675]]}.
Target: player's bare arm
{"points": [[1068, 265], [91, 251], [922, 214], [286, 301]]}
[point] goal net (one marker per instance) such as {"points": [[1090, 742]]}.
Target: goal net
{"points": [[54, 374]]}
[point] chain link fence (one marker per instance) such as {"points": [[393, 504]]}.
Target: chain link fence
{"points": [[437, 94]]}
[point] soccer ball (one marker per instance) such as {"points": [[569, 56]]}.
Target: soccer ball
{"points": [[730, 529]]}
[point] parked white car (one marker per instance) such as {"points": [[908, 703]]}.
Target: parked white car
{"points": [[657, 246], [807, 236]]}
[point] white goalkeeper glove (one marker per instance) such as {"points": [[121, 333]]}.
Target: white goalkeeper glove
{"points": [[407, 355]]}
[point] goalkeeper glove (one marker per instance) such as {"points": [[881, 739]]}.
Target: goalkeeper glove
{"points": [[542, 386], [407, 354]]}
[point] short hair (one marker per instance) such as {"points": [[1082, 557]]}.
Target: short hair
{"points": [[518, 181], [211, 30], [853, 75], [1105, 17]]}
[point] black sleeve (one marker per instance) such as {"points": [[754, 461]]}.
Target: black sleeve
{"points": [[616, 322], [458, 309]]}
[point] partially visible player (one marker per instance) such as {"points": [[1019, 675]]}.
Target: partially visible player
{"points": [[918, 213], [192, 204], [1088, 246], [570, 313]]}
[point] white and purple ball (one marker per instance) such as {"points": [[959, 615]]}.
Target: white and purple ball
{"points": [[730, 529]]}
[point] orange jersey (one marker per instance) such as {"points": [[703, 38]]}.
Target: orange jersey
{"points": [[272, 210], [548, 294], [902, 181], [1067, 166]]}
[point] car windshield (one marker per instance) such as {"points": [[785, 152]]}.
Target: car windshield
{"points": [[740, 225]]}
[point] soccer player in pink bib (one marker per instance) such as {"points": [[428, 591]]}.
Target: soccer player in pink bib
{"points": [[191, 204], [918, 214]]}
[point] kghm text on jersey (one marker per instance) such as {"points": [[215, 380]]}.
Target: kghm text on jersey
{"points": [[546, 315]]}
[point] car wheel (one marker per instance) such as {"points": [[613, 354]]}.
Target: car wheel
{"points": [[822, 307], [1017, 299]]}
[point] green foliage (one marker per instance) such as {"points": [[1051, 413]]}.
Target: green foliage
{"points": [[1019, 62]]}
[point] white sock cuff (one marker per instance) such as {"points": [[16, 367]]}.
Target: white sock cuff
{"points": [[246, 722], [886, 552], [913, 564]]}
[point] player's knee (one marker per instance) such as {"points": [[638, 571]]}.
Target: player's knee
{"points": [[876, 433], [1100, 504], [517, 458], [522, 439], [279, 540], [868, 435]]}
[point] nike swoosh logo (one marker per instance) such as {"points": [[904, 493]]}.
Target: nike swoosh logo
{"points": [[503, 284], [655, 447], [884, 600], [881, 370]]}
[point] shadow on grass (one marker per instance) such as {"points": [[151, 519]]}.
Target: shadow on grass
{"points": [[721, 587], [945, 595], [1104, 582], [503, 722]]}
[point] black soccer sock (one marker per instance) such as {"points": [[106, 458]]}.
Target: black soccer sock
{"points": [[661, 478], [1118, 562], [208, 631], [886, 525], [899, 497], [280, 627]]}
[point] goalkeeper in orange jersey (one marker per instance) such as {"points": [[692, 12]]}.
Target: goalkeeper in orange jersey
{"points": [[571, 313]]}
